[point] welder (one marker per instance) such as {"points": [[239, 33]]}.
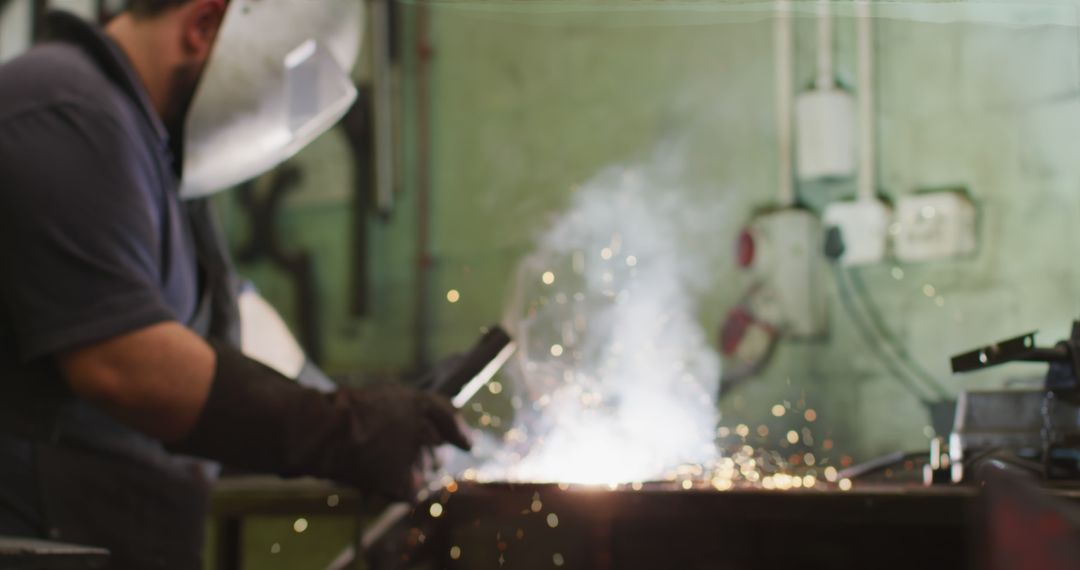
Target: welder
{"points": [[122, 385]]}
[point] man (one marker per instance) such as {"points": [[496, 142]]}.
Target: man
{"points": [[117, 324]]}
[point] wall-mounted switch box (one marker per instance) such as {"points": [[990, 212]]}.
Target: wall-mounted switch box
{"points": [[864, 229], [825, 134], [934, 225], [788, 260]]}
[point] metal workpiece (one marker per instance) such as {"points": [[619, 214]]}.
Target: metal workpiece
{"points": [[1038, 430], [664, 525], [1000, 419], [1063, 360]]}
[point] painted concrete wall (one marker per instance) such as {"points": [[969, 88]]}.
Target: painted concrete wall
{"points": [[528, 104]]}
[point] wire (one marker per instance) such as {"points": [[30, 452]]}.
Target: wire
{"points": [[886, 334], [866, 333]]}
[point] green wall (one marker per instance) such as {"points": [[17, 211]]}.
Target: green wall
{"points": [[527, 101]]}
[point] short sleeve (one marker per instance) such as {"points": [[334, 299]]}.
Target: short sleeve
{"points": [[79, 240]]}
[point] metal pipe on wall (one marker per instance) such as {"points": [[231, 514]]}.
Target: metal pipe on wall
{"points": [[383, 99], [783, 36], [424, 261], [865, 28], [826, 76]]}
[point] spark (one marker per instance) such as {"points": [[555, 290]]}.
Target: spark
{"points": [[436, 510], [453, 295], [722, 484], [556, 350], [548, 278]]}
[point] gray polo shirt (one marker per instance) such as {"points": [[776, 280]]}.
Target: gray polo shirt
{"points": [[94, 241]]}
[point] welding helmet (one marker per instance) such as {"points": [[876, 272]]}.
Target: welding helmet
{"points": [[277, 78]]}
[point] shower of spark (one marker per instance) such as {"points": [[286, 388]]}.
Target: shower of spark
{"points": [[615, 380]]}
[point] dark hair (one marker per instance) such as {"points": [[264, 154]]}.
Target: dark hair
{"points": [[147, 8]]}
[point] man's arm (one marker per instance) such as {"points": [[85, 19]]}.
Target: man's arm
{"points": [[211, 401], [155, 379]]}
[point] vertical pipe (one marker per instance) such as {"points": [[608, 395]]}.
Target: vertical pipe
{"points": [[867, 150], [826, 76], [783, 35], [383, 103], [423, 190]]}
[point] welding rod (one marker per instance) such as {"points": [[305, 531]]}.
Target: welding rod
{"points": [[460, 381]]}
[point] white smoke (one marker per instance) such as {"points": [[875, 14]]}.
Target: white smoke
{"points": [[615, 380]]}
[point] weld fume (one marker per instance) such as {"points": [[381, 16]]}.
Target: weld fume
{"points": [[614, 379]]}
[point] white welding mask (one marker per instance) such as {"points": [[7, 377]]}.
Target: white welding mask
{"points": [[278, 77]]}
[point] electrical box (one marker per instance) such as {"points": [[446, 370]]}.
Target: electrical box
{"points": [[864, 229], [788, 259], [825, 134], [934, 225]]}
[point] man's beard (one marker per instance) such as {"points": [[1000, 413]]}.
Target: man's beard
{"points": [[183, 83]]}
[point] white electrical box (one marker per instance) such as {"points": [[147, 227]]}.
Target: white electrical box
{"points": [[788, 258], [864, 229], [934, 225], [825, 134]]}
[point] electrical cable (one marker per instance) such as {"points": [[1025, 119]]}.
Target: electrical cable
{"points": [[866, 333], [886, 334]]}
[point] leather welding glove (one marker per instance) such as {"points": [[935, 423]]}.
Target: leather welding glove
{"points": [[372, 438]]}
